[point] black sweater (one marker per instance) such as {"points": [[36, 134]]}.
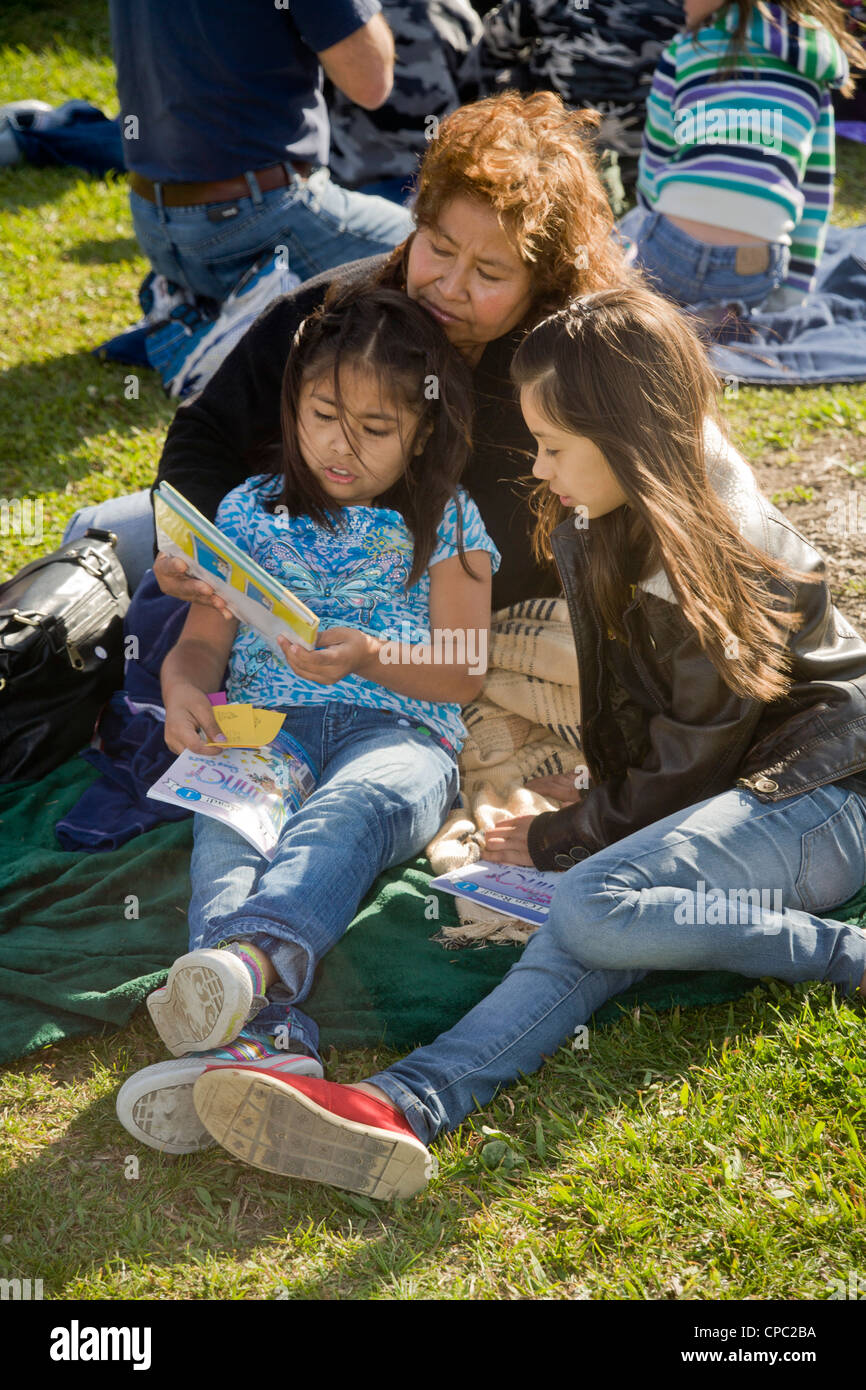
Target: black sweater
{"points": [[231, 430]]}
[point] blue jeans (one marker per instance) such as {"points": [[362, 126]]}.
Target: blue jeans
{"points": [[691, 272], [646, 903], [131, 519], [320, 224], [384, 789]]}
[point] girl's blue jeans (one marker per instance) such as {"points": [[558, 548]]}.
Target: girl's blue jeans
{"points": [[694, 273], [383, 791], [646, 903]]}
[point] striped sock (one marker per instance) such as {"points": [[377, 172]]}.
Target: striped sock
{"points": [[251, 958], [246, 1048]]}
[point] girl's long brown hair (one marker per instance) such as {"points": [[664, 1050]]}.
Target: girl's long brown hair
{"points": [[624, 369], [398, 342], [826, 13]]}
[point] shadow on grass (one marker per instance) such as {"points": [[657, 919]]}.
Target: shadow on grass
{"points": [[25, 185], [52, 407], [94, 252], [206, 1226], [95, 1200], [82, 25]]}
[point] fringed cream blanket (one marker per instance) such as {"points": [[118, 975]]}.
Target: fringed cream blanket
{"points": [[524, 725]]}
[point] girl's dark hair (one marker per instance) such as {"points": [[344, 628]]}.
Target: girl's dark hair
{"points": [[624, 369], [413, 361], [826, 14]]}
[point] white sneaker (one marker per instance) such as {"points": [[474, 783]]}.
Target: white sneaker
{"points": [[156, 1107], [204, 1003]]}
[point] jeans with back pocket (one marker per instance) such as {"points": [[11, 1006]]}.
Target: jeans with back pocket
{"points": [[320, 224], [691, 272]]}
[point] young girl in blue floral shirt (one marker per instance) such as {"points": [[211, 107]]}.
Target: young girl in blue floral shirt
{"points": [[367, 526]]}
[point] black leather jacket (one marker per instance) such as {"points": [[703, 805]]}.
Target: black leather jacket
{"points": [[660, 729]]}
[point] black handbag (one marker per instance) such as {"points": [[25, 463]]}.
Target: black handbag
{"points": [[61, 652]]}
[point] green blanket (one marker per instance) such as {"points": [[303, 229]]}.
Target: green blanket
{"points": [[85, 937]]}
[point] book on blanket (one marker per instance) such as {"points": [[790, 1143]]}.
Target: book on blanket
{"points": [[254, 790], [511, 889], [253, 595]]}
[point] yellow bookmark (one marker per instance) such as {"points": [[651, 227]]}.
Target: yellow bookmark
{"points": [[247, 727]]}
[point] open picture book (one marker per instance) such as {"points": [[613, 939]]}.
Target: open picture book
{"points": [[253, 595]]}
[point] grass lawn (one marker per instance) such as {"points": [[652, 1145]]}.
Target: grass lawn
{"points": [[708, 1154]]}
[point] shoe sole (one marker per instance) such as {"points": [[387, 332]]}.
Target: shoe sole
{"points": [[271, 1126], [156, 1105], [203, 1004]]}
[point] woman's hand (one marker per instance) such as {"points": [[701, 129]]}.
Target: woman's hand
{"points": [[339, 652], [173, 577], [186, 710], [558, 786], [508, 842]]}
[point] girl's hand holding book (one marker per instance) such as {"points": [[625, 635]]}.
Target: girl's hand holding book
{"points": [[340, 651], [414, 671], [173, 577]]}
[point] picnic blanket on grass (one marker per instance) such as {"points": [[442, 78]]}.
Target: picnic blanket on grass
{"points": [[85, 937], [821, 340]]}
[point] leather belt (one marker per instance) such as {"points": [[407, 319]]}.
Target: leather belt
{"points": [[175, 195]]}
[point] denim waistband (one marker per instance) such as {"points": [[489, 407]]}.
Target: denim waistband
{"points": [[385, 716], [700, 256]]}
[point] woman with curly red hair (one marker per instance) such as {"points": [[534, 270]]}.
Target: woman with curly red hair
{"points": [[512, 223]]}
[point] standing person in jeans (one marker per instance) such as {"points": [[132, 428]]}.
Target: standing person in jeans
{"points": [[723, 709], [226, 133]]}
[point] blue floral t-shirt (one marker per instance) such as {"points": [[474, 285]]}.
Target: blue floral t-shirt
{"points": [[354, 576]]}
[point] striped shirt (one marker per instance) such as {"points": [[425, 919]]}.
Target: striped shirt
{"points": [[752, 151]]}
